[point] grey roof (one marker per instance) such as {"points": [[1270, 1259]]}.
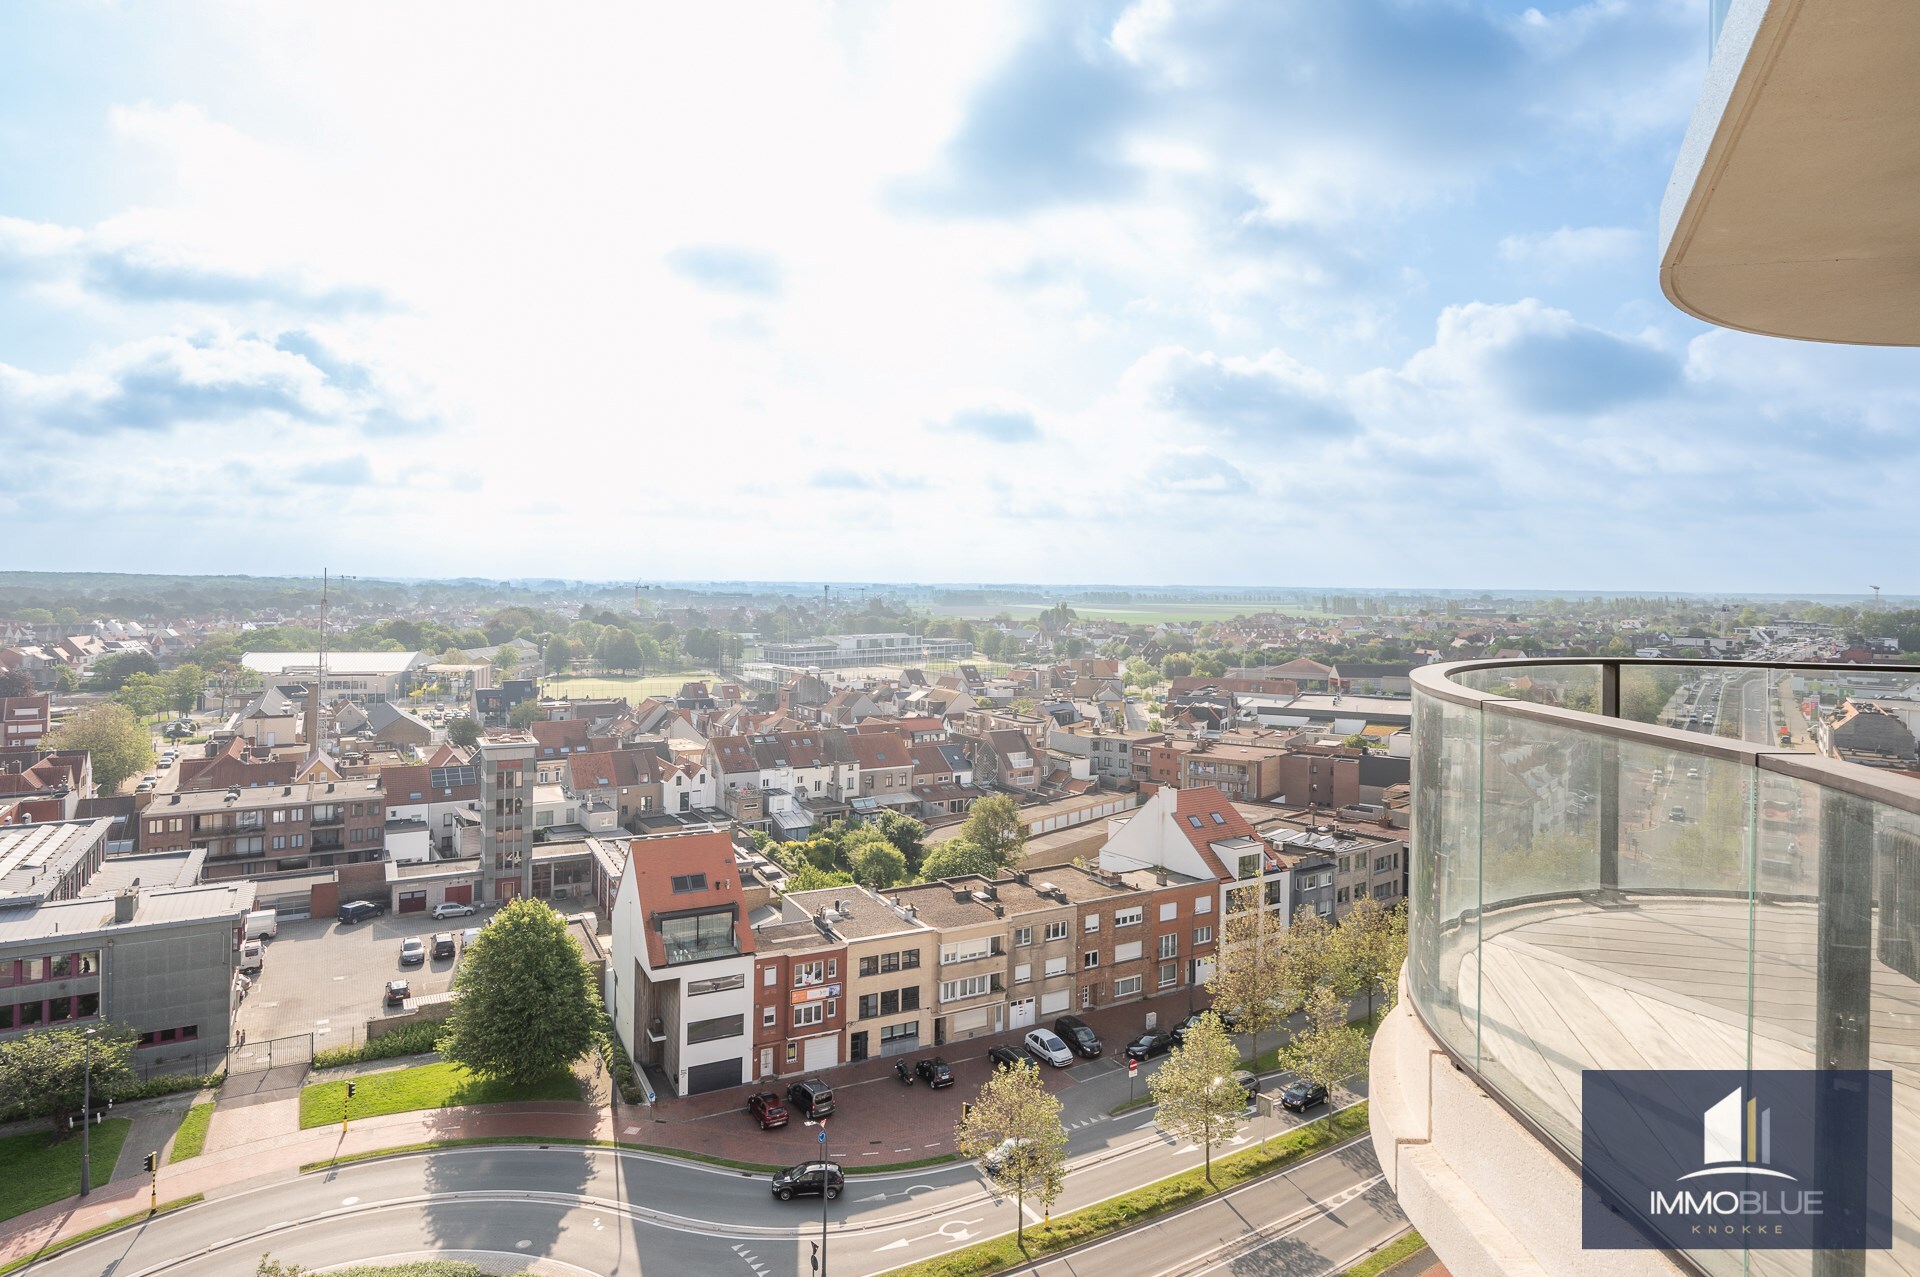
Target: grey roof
{"points": [[155, 869], [93, 915], [853, 913], [382, 714], [33, 858], [370, 663]]}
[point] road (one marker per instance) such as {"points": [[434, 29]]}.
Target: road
{"points": [[620, 1214]]}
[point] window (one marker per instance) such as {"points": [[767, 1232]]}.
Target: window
{"points": [[772, 977], [968, 950], [971, 986], [1127, 952], [719, 984], [833, 968], [869, 1005], [895, 1032], [1250, 866], [1057, 930], [1170, 945], [1056, 966], [808, 1014], [1202, 935], [809, 973], [889, 962], [1022, 937], [1169, 910], [1340, 896], [1194, 821], [723, 1026], [910, 959], [1090, 959], [769, 1017], [833, 1007], [1203, 904], [1128, 917], [1022, 972], [683, 883], [793, 1052], [1092, 922], [890, 1002], [1126, 987], [870, 966], [1169, 974], [910, 998]]}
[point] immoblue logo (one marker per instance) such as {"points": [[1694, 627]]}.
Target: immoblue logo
{"points": [[1720, 1159]]}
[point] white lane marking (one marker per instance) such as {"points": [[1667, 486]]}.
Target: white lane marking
{"points": [[349, 1201], [959, 1233]]}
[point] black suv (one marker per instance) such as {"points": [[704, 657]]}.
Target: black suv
{"points": [[1078, 1037], [360, 910], [1301, 1096], [1149, 1044], [934, 1072], [808, 1180], [812, 1098], [1004, 1057]]}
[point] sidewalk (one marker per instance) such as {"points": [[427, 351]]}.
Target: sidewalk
{"points": [[254, 1139]]}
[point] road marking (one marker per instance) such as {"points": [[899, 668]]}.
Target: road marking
{"points": [[907, 1149], [349, 1201], [960, 1234], [935, 1144], [522, 1244]]}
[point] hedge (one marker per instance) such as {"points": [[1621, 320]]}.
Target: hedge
{"points": [[14, 1109], [615, 1056], [419, 1038]]}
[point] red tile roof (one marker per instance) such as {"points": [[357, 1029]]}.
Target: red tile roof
{"points": [[654, 862], [1206, 817]]}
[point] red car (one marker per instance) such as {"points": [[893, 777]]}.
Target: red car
{"points": [[767, 1110]]}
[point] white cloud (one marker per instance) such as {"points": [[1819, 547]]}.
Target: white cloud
{"points": [[1551, 255]]}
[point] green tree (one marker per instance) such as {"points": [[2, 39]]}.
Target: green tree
{"points": [[1196, 1096], [119, 745], [559, 654], [1370, 946], [524, 1005], [1309, 958], [1328, 1050], [506, 660], [185, 686], [44, 1071], [905, 833], [996, 826], [1023, 705], [1248, 975], [525, 714], [618, 649], [111, 671], [804, 875], [143, 694], [463, 731], [878, 864], [1013, 1129], [956, 858], [15, 683]]}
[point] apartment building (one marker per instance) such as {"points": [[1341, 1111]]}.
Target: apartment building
{"points": [[50, 860], [1243, 772], [437, 796], [799, 992], [1320, 776], [1109, 751], [885, 769], [271, 828], [509, 767], [1367, 861], [25, 721], [970, 956], [889, 963], [680, 984]]}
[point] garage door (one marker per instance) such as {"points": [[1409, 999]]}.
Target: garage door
{"points": [[966, 1022], [1022, 1014], [1055, 1003], [460, 895], [413, 902], [712, 1077], [820, 1053]]}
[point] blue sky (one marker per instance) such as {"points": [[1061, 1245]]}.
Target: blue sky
{"points": [[1297, 293]]}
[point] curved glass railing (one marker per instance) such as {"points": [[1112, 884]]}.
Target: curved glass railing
{"points": [[1648, 865]]}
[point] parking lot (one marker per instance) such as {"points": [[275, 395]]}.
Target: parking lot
{"points": [[327, 978]]}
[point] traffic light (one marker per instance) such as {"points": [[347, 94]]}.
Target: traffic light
{"points": [[153, 1162], [966, 1110], [351, 1087], [816, 1257]]}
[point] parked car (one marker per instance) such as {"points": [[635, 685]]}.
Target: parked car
{"points": [[412, 951], [809, 1179], [1249, 1085], [1301, 1096], [1079, 1038], [398, 991], [812, 1097], [767, 1110], [443, 944], [998, 1156], [1149, 1044], [360, 910], [934, 1072], [452, 909], [253, 955], [1004, 1057], [1045, 1044], [468, 936], [1180, 1029]]}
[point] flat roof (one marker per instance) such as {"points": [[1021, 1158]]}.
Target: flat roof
{"points": [[349, 663], [89, 916], [35, 857], [154, 869], [853, 914], [194, 801]]}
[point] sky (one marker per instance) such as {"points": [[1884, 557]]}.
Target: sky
{"points": [[1279, 292]]}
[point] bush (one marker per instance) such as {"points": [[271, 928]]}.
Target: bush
{"points": [[607, 1042], [420, 1038], [169, 1084]]}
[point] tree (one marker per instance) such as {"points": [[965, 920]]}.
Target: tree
{"points": [[617, 649], [1248, 975], [1013, 1129], [111, 671], [525, 714], [1023, 705], [463, 731], [996, 827], [878, 864], [1194, 1090], [119, 745], [144, 694], [1308, 958], [524, 1005], [559, 654], [44, 1072], [1370, 946], [185, 686], [1329, 1049], [956, 858], [506, 659], [807, 876], [904, 832], [15, 683]]}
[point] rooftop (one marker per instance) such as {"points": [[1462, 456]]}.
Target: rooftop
{"points": [[33, 858], [853, 913], [93, 915]]}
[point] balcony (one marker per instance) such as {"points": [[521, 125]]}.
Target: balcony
{"points": [[1787, 210], [1594, 889]]}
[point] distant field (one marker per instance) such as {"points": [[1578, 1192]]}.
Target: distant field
{"points": [[635, 687], [1155, 613]]}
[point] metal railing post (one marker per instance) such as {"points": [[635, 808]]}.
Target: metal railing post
{"points": [[1843, 987], [1609, 786]]}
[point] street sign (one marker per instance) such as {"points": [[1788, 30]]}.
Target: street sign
{"points": [[823, 1135], [1133, 1068]]}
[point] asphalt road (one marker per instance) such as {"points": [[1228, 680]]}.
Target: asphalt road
{"points": [[620, 1213]]}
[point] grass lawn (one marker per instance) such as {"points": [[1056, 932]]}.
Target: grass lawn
{"points": [[34, 1173], [635, 687], [1387, 1256], [427, 1086], [192, 1135]]}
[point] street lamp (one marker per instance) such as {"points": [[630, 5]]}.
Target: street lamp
{"points": [[86, 1112]]}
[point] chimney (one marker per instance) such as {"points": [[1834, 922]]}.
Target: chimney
{"points": [[961, 895], [1160, 875], [125, 904]]}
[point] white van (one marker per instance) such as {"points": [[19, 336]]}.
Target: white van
{"points": [[262, 924], [253, 955]]}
